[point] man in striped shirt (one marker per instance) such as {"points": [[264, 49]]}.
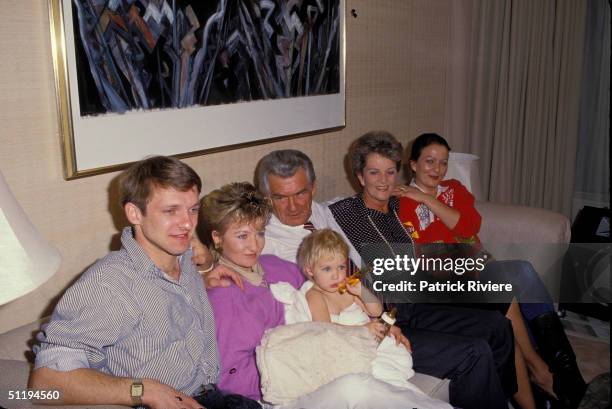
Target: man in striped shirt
{"points": [[137, 329]]}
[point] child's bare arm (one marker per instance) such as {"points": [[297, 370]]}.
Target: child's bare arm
{"points": [[317, 306]]}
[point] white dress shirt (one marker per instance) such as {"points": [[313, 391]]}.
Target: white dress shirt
{"points": [[283, 240]]}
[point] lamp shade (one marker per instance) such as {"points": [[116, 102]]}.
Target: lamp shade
{"points": [[27, 260], [464, 168]]}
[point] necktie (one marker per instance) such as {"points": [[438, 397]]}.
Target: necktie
{"points": [[309, 226]]}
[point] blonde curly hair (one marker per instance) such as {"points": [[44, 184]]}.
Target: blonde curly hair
{"points": [[238, 202], [319, 244]]}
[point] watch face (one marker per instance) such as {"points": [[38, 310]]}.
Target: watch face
{"points": [[136, 389]]}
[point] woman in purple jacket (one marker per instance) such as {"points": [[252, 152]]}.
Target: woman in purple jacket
{"points": [[234, 219]]}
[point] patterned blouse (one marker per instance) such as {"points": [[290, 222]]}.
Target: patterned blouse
{"points": [[425, 227], [374, 234]]}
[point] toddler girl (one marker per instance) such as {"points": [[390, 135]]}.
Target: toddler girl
{"points": [[323, 256], [332, 297]]}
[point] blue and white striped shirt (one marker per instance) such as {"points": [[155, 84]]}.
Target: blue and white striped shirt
{"points": [[125, 317]]}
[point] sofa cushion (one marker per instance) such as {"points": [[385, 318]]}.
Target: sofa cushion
{"points": [[434, 387], [16, 359], [15, 378]]}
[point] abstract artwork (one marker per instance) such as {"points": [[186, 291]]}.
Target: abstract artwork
{"points": [[141, 77]]}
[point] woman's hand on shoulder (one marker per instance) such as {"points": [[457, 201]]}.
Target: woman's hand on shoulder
{"points": [[222, 276], [411, 192]]}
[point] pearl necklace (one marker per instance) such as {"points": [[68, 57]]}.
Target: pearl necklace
{"points": [[254, 275]]}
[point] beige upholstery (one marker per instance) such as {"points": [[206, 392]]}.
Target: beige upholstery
{"points": [[17, 343], [14, 378], [521, 224], [526, 233], [16, 359]]}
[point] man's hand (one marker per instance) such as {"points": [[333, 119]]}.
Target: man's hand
{"points": [[159, 396], [222, 276], [396, 333], [87, 386]]}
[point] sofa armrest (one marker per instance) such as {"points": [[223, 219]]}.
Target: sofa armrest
{"points": [[15, 378], [521, 224], [527, 233], [16, 359], [17, 343]]}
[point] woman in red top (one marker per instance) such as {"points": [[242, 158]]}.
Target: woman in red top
{"points": [[434, 210]]}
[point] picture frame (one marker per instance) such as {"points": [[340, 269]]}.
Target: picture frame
{"points": [[107, 140]]}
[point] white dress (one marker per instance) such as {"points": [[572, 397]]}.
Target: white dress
{"points": [[393, 363], [283, 241], [357, 391]]}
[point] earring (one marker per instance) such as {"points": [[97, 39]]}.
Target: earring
{"points": [[218, 246]]}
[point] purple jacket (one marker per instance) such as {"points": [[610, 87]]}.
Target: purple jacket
{"points": [[241, 318]]}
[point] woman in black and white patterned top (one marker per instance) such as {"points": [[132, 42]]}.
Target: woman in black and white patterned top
{"points": [[370, 217]]}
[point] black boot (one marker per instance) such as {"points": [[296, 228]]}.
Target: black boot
{"points": [[556, 350]]}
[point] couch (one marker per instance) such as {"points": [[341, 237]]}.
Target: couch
{"points": [[508, 232]]}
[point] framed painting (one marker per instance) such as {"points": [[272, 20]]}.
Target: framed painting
{"points": [[183, 77]]}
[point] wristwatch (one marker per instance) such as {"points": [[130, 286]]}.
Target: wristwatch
{"points": [[136, 392]]}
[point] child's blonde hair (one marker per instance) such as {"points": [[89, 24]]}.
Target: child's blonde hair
{"points": [[319, 244]]}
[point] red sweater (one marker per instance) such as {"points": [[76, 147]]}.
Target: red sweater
{"points": [[423, 230]]}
